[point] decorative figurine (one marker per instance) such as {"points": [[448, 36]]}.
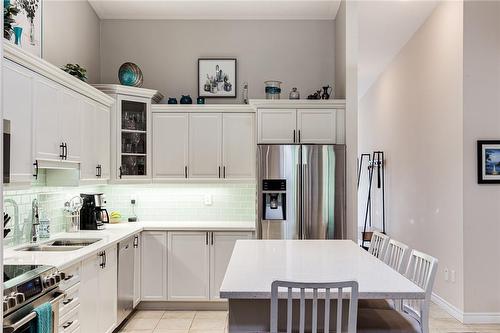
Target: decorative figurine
{"points": [[294, 94]]}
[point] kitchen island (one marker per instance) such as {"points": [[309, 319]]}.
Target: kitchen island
{"points": [[255, 264]]}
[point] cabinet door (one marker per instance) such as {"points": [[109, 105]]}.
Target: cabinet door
{"points": [[277, 125], [205, 136], [170, 145], [188, 266], [137, 269], [317, 126], [88, 153], [89, 294], [103, 138], [70, 123], [108, 283], [17, 107], [222, 245], [154, 266], [238, 145], [46, 105]]}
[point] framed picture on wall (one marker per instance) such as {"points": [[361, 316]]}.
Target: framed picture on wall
{"points": [[27, 28], [217, 77], [488, 161]]}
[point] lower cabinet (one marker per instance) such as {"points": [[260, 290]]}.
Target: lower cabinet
{"points": [[222, 245], [98, 292], [154, 266], [185, 265], [188, 266]]}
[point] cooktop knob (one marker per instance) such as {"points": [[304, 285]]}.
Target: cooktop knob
{"points": [[20, 298], [11, 301], [62, 275], [5, 306], [57, 277]]}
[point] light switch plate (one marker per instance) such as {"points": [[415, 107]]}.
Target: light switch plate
{"points": [[208, 200]]}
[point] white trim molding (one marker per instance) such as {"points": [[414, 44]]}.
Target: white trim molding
{"points": [[119, 89], [298, 103], [466, 317], [46, 69], [219, 108]]}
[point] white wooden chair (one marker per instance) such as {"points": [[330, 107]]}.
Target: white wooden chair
{"points": [[378, 245], [339, 287], [414, 317], [396, 257]]}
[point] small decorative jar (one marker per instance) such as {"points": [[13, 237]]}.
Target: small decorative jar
{"points": [[294, 94], [273, 89], [200, 100], [172, 100], [186, 99]]}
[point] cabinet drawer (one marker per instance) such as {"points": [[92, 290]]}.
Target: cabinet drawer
{"points": [[72, 277], [70, 322], [69, 302]]}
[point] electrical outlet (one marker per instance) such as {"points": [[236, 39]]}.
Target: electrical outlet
{"points": [[208, 201], [446, 274], [453, 276]]}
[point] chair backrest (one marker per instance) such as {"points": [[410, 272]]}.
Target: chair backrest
{"points": [[396, 255], [378, 244], [421, 270], [339, 287]]}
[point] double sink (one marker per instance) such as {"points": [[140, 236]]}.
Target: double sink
{"points": [[61, 245]]}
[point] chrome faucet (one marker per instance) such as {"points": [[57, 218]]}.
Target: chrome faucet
{"points": [[35, 221]]}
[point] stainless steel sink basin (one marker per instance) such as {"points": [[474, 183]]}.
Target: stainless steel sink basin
{"points": [[61, 245], [73, 241], [49, 248]]}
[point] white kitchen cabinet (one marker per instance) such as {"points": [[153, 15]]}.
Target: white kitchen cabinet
{"points": [[137, 269], [222, 245], [70, 113], [98, 292], [46, 103], [277, 125], [103, 146], [17, 107], [170, 145], [205, 145], [154, 266], [317, 126], [238, 145], [188, 266], [95, 154]]}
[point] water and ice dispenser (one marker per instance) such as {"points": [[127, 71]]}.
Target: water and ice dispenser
{"points": [[274, 199]]}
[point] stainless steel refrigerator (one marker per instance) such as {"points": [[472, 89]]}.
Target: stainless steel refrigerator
{"points": [[301, 192]]}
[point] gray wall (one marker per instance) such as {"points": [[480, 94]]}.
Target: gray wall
{"points": [[299, 53], [71, 34], [413, 113]]}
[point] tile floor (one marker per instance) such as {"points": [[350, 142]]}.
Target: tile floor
{"points": [[216, 322]]}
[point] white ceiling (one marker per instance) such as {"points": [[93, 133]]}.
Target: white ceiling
{"points": [[220, 9], [384, 28]]}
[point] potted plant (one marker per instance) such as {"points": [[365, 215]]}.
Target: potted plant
{"points": [[76, 70]]}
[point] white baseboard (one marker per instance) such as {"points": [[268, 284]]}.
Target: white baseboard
{"points": [[466, 317], [448, 307]]}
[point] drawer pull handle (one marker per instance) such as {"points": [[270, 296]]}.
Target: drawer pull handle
{"points": [[68, 324], [69, 300]]}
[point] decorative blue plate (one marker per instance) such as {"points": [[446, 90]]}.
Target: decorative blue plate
{"points": [[130, 74]]}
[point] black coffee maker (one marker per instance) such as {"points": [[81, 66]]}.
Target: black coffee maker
{"points": [[93, 213]]}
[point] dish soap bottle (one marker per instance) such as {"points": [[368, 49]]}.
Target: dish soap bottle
{"points": [[133, 217]]}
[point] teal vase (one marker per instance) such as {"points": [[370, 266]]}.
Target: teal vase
{"points": [[18, 33]]}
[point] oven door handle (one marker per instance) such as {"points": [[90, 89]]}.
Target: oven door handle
{"points": [[32, 315]]}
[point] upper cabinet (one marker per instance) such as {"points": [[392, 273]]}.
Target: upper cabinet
{"points": [[200, 143], [238, 145], [131, 126], [295, 122], [205, 145], [50, 114]]}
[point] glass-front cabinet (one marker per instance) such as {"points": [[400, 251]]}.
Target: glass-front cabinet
{"points": [[134, 147], [130, 132]]}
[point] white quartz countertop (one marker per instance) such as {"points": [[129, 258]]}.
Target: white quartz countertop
{"points": [[255, 264], [113, 234]]}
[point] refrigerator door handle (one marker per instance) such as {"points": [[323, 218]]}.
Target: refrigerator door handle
{"points": [[305, 201], [298, 199]]}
